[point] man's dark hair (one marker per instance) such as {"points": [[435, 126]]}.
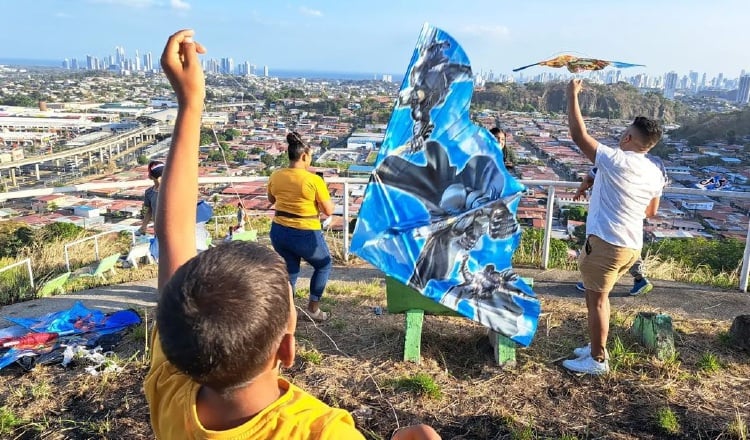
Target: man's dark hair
{"points": [[649, 130], [155, 169], [495, 130], [296, 146], [223, 313]]}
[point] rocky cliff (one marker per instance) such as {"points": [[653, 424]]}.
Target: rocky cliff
{"points": [[621, 101]]}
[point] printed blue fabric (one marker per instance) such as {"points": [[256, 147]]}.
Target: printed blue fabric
{"points": [[439, 211]]}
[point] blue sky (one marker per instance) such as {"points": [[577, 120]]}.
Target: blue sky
{"points": [[379, 36]]}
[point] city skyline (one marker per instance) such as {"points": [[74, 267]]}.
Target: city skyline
{"points": [[373, 37]]}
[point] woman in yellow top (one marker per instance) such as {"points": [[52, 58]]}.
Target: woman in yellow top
{"points": [[300, 196]]}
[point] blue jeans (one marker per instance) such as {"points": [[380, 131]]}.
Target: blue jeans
{"points": [[298, 244]]}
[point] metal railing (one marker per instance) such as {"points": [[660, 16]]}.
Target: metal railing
{"points": [[550, 185], [27, 262], [96, 244]]}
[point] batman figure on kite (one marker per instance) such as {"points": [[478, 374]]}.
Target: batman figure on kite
{"points": [[439, 211]]}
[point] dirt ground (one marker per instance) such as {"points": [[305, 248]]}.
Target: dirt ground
{"points": [[354, 361]]}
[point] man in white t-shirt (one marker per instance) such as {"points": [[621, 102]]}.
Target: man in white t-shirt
{"points": [[628, 189]]}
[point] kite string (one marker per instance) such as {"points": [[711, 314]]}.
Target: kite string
{"points": [[367, 373]]}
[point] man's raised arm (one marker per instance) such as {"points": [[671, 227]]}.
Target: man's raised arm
{"points": [[578, 132], [176, 209]]}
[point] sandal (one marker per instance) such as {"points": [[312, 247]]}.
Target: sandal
{"points": [[318, 315]]}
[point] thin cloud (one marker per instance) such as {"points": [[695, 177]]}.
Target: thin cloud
{"points": [[62, 15], [494, 32], [310, 12], [179, 5], [130, 3]]}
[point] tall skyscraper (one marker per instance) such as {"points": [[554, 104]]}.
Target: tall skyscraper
{"points": [[150, 62], [265, 71], [743, 94], [670, 84], [137, 62], [66, 64]]}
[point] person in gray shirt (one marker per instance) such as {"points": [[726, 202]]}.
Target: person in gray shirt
{"points": [[150, 197]]}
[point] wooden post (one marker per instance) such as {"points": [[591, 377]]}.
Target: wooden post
{"points": [[503, 349], [413, 339], [655, 332]]}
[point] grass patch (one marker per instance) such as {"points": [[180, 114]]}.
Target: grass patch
{"points": [[738, 428], [9, 421], [667, 421], [709, 363], [420, 384], [311, 356], [621, 356]]}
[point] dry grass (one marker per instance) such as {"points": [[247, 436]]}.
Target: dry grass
{"points": [[672, 270], [48, 261], [354, 361]]}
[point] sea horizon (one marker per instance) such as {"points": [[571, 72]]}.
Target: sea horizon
{"points": [[272, 72]]}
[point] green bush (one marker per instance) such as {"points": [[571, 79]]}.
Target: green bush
{"points": [[60, 231]]}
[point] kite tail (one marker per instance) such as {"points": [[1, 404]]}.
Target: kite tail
{"points": [[621, 65], [525, 67]]}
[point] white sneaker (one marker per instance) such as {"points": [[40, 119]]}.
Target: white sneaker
{"points": [[587, 365], [582, 351], [586, 351]]}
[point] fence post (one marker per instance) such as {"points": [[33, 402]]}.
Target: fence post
{"points": [[745, 262], [346, 222], [96, 247], [31, 274], [67, 258], [548, 228]]}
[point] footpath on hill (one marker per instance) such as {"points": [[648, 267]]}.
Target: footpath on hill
{"points": [[701, 302]]}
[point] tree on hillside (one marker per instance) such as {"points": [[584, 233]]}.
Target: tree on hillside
{"points": [[206, 137], [577, 213], [240, 155], [232, 134]]}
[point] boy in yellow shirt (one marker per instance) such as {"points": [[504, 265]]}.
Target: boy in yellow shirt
{"points": [[226, 317]]}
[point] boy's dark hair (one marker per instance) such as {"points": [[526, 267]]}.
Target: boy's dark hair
{"points": [[649, 130], [223, 313], [296, 146], [155, 169], [495, 130]]}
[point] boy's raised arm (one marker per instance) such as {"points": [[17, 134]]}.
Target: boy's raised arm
{"points": [[176, 210]]}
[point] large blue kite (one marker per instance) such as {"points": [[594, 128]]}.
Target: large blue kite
{"points": [[439, 211]]}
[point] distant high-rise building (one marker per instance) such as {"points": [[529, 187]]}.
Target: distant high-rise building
{"points": [[693, 81], [137, 61], [670, 84], [227, 66], [74, 64], [265, 71], [66, 64], [150, 62], [89, 62], [388, 78], [245, 69], [743, 94], [703, 81]]}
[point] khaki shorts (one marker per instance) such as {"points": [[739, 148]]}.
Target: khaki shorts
{"points": [[602, 264]]}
